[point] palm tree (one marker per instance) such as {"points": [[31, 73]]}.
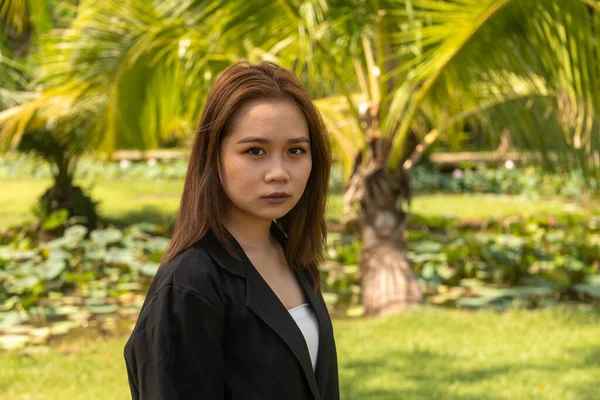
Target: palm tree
{"points": [[526, 69], [24, 44], [18, 25], [383, 71], [87, 88]]}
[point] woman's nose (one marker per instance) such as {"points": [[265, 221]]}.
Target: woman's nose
{"points": [[277, 172]]}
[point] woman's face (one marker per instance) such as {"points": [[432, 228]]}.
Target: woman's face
{"points": [[266, 153]]}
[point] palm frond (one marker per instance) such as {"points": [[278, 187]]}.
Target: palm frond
{"points": [[22, 15], [548, 41], [347, 137]]}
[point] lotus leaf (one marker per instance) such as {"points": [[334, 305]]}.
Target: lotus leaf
{"points": [[61, 241], [445, 272], [95, 301], [149, 269], [424, 257], [13, 342], [471, 283], [95, 252], [66, 310], [67, 242], [22, 255], [11, 318], [157, 244], [147, 227], [443, 299], [51, 268], [472, 302], [9, 303], [511, 241], [98, 294], [351, 269], [519, 291], [129, 286], [555, 236], [106, 236], [428, 271], [57, 254], [6, 252], [23, 285], [103, 309], [76, 232], [62, 327], [426, 246], [355, 311], [55, 220], [590, 290], [593, 279], [40, 335], [119, 256], [129, 310], [330, 298], [80, 316]]}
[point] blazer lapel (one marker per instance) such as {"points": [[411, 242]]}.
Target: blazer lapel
{"points": [[261, 299], [266, 305], [325, 332]]}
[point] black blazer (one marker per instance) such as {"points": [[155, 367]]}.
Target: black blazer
{"points": [[211, 328]]}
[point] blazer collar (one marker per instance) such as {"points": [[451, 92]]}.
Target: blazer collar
{"points": [[261, 299], [226, 261]]}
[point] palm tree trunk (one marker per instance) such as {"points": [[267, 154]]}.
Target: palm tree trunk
{"points": [[64, 194], [60, 194], [63, 180], [388, 282]]}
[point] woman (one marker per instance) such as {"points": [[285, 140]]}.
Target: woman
{"points": [[235, 310]]}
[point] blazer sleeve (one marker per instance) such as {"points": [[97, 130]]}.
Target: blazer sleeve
{"points": [[175, 350]]}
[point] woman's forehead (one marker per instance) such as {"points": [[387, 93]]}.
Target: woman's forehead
{"points": [[270, 121]]}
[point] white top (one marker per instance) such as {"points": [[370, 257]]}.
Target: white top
{"points": [[307, 322]]}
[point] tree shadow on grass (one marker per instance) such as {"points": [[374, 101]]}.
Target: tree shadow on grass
{"points": [[145, 213], [589, 357], [429, 375], [407, 367]]}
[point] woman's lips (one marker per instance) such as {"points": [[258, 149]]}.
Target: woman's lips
{"points": [[276, 199]]}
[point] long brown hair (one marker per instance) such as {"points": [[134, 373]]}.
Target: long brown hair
{"points": [[203, 200]]}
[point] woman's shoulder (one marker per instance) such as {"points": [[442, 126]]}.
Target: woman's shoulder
{"points": [[192, 270]]}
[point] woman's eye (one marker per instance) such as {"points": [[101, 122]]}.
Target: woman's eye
{"points": [[255, 151], [297, 151]]}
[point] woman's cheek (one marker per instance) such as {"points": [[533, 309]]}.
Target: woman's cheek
{"points": [[307, 169], [240, 164]]}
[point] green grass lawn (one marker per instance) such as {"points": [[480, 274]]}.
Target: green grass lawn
{"points": [[124, 202], [422, 354], [483, 206], [427, 353]]}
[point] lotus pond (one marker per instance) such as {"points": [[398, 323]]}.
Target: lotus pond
{"points": [[97, 278]]}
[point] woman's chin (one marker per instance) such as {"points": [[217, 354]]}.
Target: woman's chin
{"points": [[273, 214]]}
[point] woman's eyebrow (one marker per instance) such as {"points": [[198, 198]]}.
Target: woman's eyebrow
{"points": [[254, 139]]}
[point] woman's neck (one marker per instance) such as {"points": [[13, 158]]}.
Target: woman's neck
{"points": [[251, 235]]}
